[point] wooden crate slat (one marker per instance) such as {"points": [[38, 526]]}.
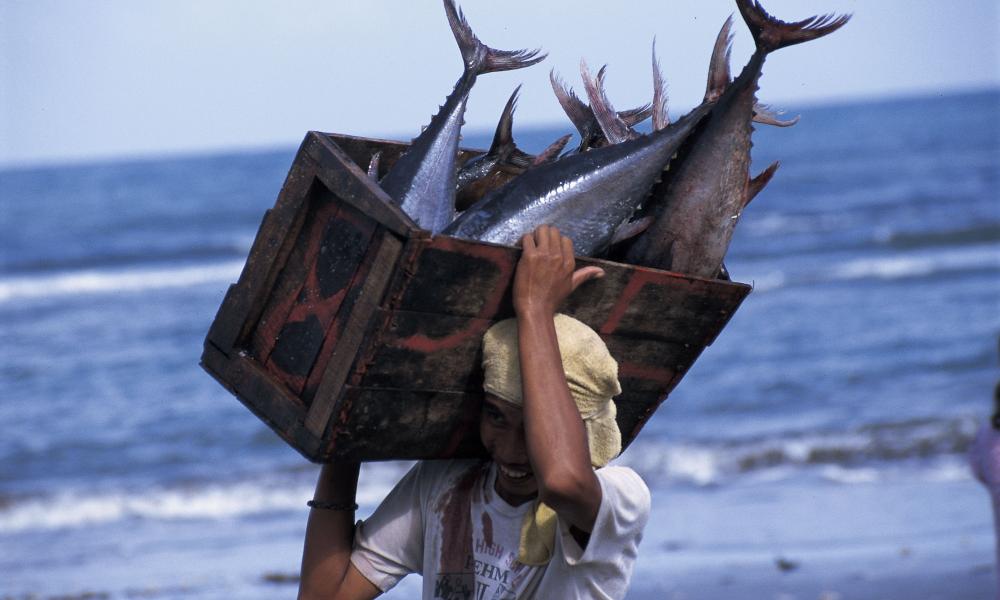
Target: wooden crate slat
{"points": [[463, 278], [338, 172], [357, 325], [423, 423], [360, 150], [424, 351], [274, 241]]}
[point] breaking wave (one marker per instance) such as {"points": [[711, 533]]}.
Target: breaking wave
{"points": [[930, 450], [886, 268], [117, 281], [71, 509], [863, 455]]}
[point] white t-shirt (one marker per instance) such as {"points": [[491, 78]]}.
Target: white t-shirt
{"points": [[445, 520]]}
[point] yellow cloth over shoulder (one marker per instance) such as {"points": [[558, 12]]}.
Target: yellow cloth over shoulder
{"points": [[592, 375]]}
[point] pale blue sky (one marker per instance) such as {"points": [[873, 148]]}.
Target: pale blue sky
{"points": [[83, 80]]}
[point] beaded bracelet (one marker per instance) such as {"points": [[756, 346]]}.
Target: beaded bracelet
{"points": [[331, 505]]}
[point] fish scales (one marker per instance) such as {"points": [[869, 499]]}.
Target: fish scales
{"points": [[587, 196]]}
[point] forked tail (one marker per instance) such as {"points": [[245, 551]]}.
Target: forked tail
{"points": [[480, 58], [770, 34]]}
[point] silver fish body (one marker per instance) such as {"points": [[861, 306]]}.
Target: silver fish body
{"points": [[588, 196], [706, 191], [422, 182]]}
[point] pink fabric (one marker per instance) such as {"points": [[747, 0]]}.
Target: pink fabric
{"points": [[984, 458]]}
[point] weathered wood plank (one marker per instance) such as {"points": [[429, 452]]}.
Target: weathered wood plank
{"points": [[240, 310], [422, 424], [361, 150], [290, 287], [463, 278], [354, 289], [338, 172], [427, 351], [264, 396], [338, 368]]}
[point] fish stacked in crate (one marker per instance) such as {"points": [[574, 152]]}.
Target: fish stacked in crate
{"points": [[669, 199], [355, 327]]}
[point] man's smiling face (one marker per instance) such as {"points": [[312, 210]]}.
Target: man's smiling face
{"points": [[501, 428]]}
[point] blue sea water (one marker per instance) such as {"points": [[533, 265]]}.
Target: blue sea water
{"points": [[827, 423]]}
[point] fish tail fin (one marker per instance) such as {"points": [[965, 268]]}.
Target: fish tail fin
{"points": [[767, 115], [615, 130], [577, 110], [755, 185], [719, 75], [504, 136], [660, 116], [770, 34], [480, 58]]}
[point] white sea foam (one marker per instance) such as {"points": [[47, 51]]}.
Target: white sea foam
{"points": [[70, 509], [109, 282], [839, 474], [903, 266]]}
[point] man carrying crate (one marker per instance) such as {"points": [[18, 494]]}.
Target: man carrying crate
{"points": [[535, 521]]}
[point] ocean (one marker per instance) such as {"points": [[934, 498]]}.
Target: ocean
{"points": [[820, 439]]}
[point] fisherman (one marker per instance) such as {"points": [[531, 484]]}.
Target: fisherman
{"points": [[543, 517]]}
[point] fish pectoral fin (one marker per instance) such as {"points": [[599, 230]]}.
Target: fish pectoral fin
{"points": [[755, 185], [553, 150], [630, 229]]}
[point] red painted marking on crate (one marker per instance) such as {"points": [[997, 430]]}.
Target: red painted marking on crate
{"points": [[478, 325], [646, 372], [636, 282], [419, 342]]}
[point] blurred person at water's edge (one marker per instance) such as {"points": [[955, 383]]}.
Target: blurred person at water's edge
{"points": [[984, 458], [543, 517]]}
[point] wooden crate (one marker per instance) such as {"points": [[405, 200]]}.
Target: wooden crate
{"points": [[353, 333]]}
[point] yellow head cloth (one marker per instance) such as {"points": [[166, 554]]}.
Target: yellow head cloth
{"points": [[592, 375]]}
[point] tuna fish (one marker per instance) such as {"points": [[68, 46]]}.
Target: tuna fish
{"points": [[707, 190], [422, 182], [588, 196], [503, 162]]}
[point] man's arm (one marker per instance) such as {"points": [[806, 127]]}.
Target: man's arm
{"points": [[327, 571], [555, 434]]}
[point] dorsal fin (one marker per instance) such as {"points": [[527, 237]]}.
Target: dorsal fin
{"points": [[660, 117], [718, 67], [504, 136], [615, 130]]}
